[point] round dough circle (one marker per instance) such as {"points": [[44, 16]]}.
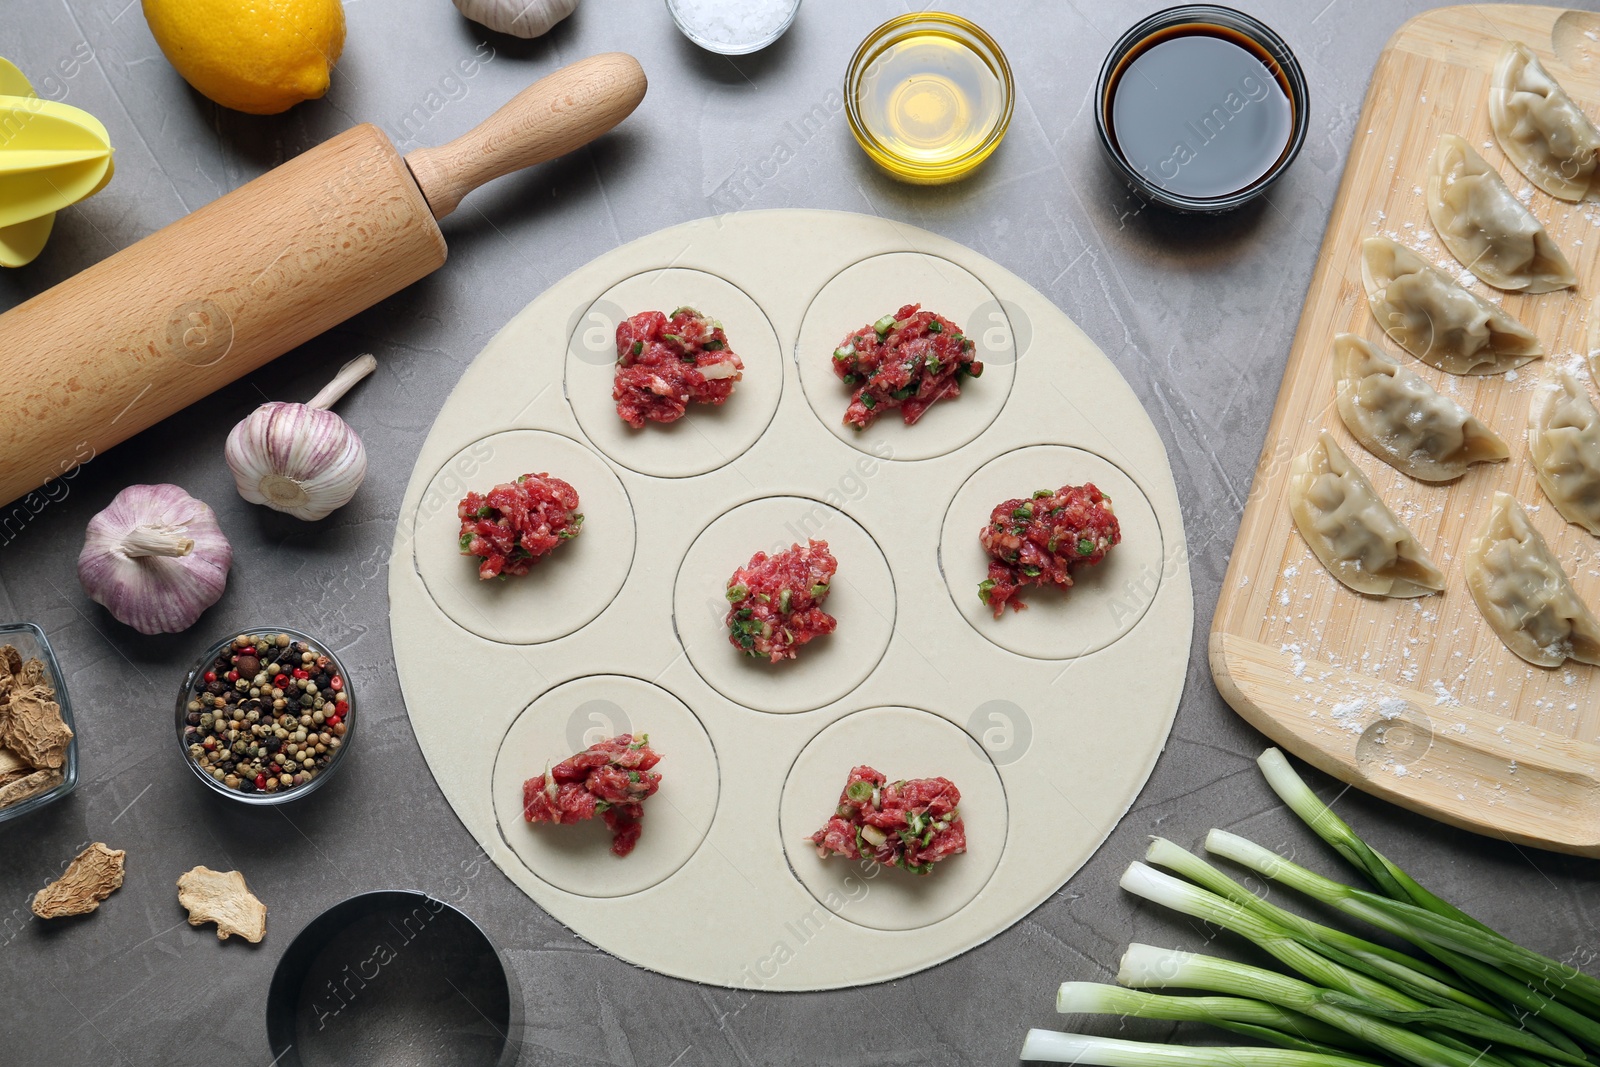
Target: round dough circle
{"points": [[566, 590], [707, 436], [866, 291], [826, 669], [1105, 601], [577, 858], [901, 743]]}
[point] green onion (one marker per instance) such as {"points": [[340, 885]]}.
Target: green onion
{"points": [[1471, 998], [849, 379], [869, 401], [859, 790], [883, 325], [783, 600], [1040, 494], [1024, 513], [1144, 966], [843, 353], [935, 326], [1085, 547], [1252, 1017], [466, 539], [735, 593], [1343, 987], [984, 588], [1415, 924], [819, 590], [674, 338], [638, 347], [1049, 1046], [713, 345]]}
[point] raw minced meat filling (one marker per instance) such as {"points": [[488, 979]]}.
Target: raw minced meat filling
{"points": [[610, 779], [667, 362], [775, 602], [907, 824], [1043, 539], [516, 523], [908, 360]]}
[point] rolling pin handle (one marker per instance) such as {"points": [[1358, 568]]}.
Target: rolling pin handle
{"points": [[558, 113]]}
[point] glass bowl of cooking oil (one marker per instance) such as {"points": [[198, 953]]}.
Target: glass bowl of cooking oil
{"points": [[929, 96]]}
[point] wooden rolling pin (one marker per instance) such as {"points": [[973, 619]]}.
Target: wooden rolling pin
{"points": [[248, 277]]}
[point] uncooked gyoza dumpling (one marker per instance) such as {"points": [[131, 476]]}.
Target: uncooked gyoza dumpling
{"points": [[1564, 444], [1524, 594], [1350, 529], [1487, 228], [1429, 315], [1539, 128], [1401, 419]]}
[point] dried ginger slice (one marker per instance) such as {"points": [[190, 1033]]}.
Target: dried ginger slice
{"points": [[31, 726], [222, 897], [92, 876], [30, 785]]}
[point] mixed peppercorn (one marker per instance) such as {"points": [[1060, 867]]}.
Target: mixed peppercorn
{"points": [[1042, 540], [267, 715]]}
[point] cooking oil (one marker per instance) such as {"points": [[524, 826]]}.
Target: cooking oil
{"points": [[930, 96]]}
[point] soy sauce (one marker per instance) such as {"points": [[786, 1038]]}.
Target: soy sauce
{"points": [[1200, 110]]}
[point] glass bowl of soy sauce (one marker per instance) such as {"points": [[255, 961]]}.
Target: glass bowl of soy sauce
{"points": [[1201, 108]]}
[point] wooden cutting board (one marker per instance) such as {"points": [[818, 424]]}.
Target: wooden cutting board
{"points": [[1418, 701]]}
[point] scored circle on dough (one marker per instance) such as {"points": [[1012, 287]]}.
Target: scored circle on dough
{"points": [[565, 590], [1105, 601], [866, 291], [862, 599], [577, 858], [899, 743], [708, 436]]}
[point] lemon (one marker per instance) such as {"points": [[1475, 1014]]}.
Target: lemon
{"points": [[261, 57]]}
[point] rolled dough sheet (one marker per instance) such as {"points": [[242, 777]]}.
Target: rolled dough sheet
{"points": [[1049, 721]]}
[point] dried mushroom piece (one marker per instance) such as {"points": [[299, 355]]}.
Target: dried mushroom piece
{"points": [[31, 726], [12, 659], [12, 766], [223, 898], [92, 876], [33, 673], [30, 785]]}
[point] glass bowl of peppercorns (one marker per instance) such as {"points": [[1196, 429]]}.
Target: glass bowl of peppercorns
{"points": [[266, 716]]}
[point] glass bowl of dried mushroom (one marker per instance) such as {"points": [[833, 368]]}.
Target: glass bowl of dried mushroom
{"points": [[38, 749]]}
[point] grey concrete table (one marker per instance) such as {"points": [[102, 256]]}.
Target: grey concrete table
{"points": [[1197, 314]]}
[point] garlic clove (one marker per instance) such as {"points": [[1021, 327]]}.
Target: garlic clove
{"points": [[520, 18], [301, 459], [155, 558]]}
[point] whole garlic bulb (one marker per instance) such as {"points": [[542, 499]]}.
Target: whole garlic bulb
{"points": [[156, 558], [520, 18], [301, 458]]}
